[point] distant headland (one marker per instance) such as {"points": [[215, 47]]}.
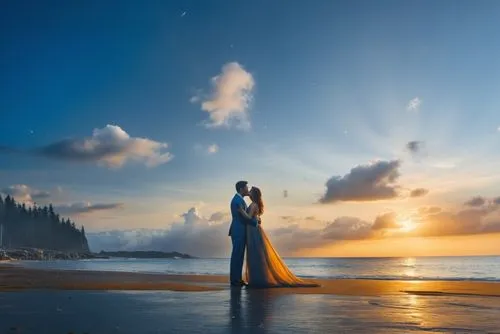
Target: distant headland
{"points": [[146, 255], [32, 232]]}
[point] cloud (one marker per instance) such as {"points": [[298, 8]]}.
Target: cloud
{"points": [[195, 235], [483, 202], [219, 216], [24, 193], [414, 147], [347, 228], [295, 237], [110, 146], [137, 239], [385, 221], [206, 149], [212, 149], [372, 182], [476, 201], [229, 101], [85, 207], [464, 222], [419, 192], [429, 210], [414, 104], [309, 220]]}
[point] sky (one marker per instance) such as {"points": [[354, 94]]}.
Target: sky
{"points": [[372, 128]]}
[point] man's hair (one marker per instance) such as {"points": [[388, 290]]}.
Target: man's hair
{"points": [[240, 185]]}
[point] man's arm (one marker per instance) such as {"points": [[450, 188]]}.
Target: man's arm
{"points": [[248, 218]]}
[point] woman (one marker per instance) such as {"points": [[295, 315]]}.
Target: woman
{"points": [[264, 267]]}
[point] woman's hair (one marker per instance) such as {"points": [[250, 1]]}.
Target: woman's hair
{"points": [[256, 196]]}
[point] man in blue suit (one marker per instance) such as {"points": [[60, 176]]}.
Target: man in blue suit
{"points": [[238, 232]]}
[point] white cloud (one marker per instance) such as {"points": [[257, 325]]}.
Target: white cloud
{"points": [[230, 98], [110, 146], [24, 193], [212, 149], [195, 235], [206, 149], [414, 104]]}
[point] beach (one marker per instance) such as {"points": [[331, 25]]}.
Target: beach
{"points": [[13, 277], [63, 301]]}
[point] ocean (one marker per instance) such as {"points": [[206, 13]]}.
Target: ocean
{"points": [[474, 268]]}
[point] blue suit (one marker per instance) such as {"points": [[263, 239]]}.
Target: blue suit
{"points": [[238, 234]]}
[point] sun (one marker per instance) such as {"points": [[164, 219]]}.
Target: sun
{"points": [[407, 225]]}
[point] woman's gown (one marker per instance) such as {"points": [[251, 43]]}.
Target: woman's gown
{"points": [[264, 266]]}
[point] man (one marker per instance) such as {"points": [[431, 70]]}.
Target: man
{"points": [[238, 233]]}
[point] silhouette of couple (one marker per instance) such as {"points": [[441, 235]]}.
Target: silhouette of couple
{"points": [[264, 267]]}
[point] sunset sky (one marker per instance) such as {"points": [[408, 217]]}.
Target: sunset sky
{"points": [[372, 128]]}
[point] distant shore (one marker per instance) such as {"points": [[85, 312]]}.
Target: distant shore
{"points": [[14, 277], [36, 254]]}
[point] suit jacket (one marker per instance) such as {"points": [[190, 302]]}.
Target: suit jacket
{"points": [[238, 223]]}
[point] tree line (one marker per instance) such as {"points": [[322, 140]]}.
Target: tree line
{"points": [[38, 227]]}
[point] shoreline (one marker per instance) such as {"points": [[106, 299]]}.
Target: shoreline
{"points": [[16, 278]]}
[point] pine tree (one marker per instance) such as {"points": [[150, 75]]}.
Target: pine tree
{"points": [[34, 226]]}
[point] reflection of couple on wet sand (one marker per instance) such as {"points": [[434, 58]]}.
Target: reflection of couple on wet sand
{"points": [[251, 310], [264, 266]]}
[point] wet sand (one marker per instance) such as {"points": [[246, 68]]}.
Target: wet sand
{"points": [[34, 301], [241, 311], [14, 277]]}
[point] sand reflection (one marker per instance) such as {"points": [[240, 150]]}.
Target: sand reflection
{"points": [[235, 314], [251, 309]]}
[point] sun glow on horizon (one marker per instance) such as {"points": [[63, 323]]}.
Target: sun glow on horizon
{"points": [[407, 225]]}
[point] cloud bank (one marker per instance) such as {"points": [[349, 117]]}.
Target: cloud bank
{"points": [[207, 236], [110, 146], [229, 101]]}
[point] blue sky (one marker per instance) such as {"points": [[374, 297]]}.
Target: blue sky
{"points": [[331, 85]]}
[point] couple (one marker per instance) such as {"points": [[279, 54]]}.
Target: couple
{"points": [[264, 267]]}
